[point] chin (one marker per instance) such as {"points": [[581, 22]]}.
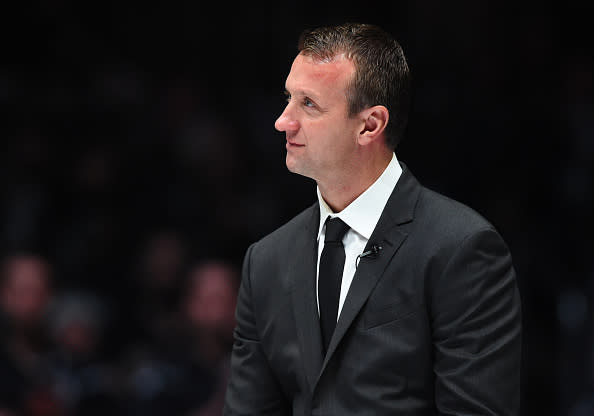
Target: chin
{"points": [[294, 167], [291, 165]]}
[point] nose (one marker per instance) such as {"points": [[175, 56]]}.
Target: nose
{"points": [[285, 122]]}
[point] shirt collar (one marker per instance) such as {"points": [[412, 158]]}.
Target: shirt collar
{"points": [[364, 212]]}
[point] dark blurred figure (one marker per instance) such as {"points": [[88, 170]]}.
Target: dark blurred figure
{"points": [[25, 293], [186, 372], [155, 287], [158, 377], [209, 313], [82, 377]]}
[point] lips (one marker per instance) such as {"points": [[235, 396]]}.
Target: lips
{"points": [[290, 143]]}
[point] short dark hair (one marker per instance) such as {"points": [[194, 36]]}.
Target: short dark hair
{"points": [[382, 76]]}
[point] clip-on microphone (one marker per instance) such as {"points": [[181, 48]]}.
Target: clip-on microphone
{"points": [[372, 253]]}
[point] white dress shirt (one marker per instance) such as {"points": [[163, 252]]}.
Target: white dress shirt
{"points": [[361, 216]]}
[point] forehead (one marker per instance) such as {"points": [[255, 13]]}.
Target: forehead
{"points": [[321, 77]]}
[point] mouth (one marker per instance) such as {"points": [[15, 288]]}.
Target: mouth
{"points": [[293, 144]]}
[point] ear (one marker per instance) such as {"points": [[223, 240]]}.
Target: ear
{"points": [[375, 121]]}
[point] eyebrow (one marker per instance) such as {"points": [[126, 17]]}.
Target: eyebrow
{"points": [[302, 93]]}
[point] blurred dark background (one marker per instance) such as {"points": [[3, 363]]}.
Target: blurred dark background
{"points": [[138, 160]]}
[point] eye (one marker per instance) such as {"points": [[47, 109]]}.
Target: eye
{"points": [[308, 103]]}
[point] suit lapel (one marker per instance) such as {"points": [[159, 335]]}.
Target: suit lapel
{"points": [[305, 306], [390, 236]]}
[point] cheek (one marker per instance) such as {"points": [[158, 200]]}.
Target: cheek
{"points": [[329, 135], [342, 133]]}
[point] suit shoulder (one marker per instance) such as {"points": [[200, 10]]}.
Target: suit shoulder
{"points": [[448, 216]]}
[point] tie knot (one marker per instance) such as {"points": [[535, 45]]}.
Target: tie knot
{"points": [[335, 229]]}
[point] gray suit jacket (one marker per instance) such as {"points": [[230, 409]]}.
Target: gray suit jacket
{"points": [[432, 325]]}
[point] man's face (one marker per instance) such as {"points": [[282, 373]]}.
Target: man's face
{"points": [[321, 137]]}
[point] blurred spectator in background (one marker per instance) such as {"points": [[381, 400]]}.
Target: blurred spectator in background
{"points": [[184, 319], [25, 293], [154, 292], [185, 373], [208, 309], [81, 377], [152, 378]]}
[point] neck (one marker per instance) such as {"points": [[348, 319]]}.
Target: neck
{"points": [[342, 189]]}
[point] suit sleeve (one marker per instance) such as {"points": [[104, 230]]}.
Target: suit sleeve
{"points": [[476, 320], [252, 387]]}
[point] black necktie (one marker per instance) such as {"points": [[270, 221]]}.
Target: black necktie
{"points": [[330, 276]]}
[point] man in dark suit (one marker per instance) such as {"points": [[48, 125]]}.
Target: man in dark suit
{"points": [[424, 317]]}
